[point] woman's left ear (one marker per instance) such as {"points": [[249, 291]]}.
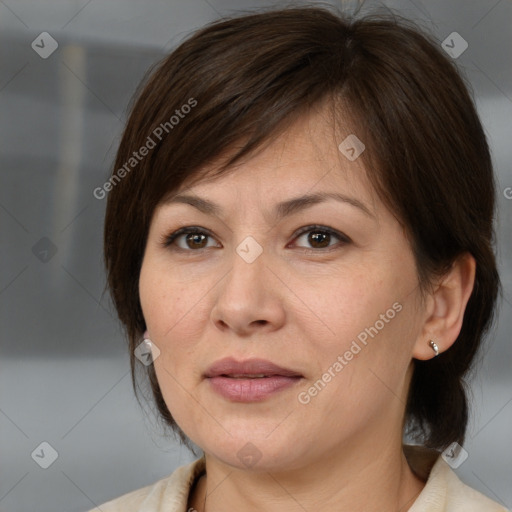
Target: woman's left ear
{"points": [[445, 308]]}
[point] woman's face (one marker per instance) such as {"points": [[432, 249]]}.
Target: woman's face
{"points": [[336, 304]]}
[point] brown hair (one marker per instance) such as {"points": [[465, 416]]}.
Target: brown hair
{"points": [[246, 79]]}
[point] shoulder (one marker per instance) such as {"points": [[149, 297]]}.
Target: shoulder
{"points": [[170, 494], [445, 492]]}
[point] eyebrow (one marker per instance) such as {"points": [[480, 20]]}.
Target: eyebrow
{"points": [[281, 210]]}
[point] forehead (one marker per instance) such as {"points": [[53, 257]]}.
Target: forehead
{"points": [[307, 158]]}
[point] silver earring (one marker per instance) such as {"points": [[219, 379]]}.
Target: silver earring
{"points": [[434, 346]]}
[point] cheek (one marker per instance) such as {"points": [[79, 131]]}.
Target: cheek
{"points": [[370, 334], [174, 315], [148, 289], [166, 305], [349, 306]]}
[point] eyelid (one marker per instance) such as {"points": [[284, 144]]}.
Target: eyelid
{"points": [[325, 229], [168, 240]]}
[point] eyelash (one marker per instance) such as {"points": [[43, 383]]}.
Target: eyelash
{"points": [[168, 240]]}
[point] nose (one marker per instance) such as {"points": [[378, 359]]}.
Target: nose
{"points": [[249, 298]]}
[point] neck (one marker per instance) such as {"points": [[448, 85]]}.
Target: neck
{"points": [[365, 479]]}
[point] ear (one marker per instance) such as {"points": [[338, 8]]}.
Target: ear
{"points": [[445, 308]]}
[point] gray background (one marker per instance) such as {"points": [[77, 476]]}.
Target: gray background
{"points": [[64, 367]]}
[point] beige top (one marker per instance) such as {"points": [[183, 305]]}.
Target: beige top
{"points": [[443, 491]]}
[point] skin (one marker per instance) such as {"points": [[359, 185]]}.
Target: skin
{"points": [[300, 306]]}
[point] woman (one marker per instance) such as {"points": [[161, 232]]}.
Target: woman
{"points": [[300, 227]]}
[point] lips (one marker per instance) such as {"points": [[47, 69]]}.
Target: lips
{"points": [[249, 369], [254, 380]]}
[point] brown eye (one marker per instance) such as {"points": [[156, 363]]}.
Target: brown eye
{"points": [[188, 239], [196, 240], [319, 237]]}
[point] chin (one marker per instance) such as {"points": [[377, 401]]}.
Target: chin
{"points": [[255, 452]]}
